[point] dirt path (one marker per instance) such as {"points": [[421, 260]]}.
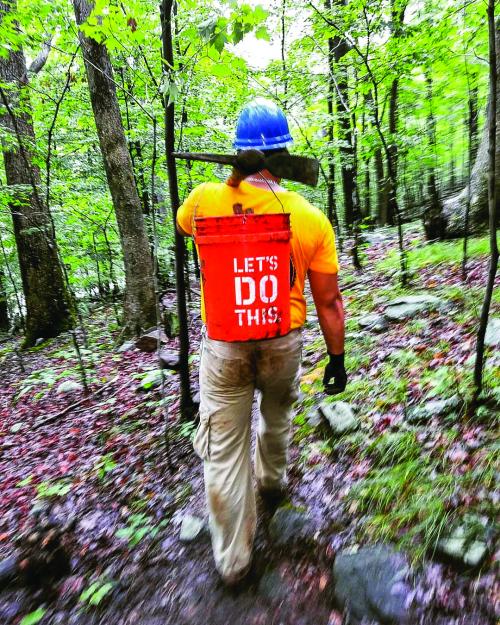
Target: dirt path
{"points": [[104, 465]]}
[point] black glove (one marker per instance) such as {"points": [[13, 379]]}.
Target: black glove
{"points": [[335, 369]]}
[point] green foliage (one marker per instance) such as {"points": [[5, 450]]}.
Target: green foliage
{"points": [[187, 429], [410, 498], [435, 254], [138, 527], [393, 448], [33, 617], [104, 465], [407, 503], [151, 379], [57, 488], [95, 593]]}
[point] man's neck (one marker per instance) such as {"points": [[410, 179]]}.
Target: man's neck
{"points": [[265, 180]]}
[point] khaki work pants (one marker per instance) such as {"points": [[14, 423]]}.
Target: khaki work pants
{"points": [[229, 375]]}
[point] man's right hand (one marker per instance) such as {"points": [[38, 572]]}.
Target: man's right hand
{"points": [[335, 378]]}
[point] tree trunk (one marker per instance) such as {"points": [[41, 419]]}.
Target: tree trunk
{"points": [[454, 209], [48, 307], [283, 54], [347, 157], [4, 311], [381, 188], [139, 305], [180, 247], [389, 213], [330, 97], [473, 119], [433, 220], [492, 187]]}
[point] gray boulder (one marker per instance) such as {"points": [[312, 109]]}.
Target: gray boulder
{"points": [[168, 359], [149, 342], [69, 386], [291, 526], [340, 416], [408, 306], [152, 379], [8, 571], [272, 587], [433, 408], [375, 323], [125, 347], [372, 584], [492, 338], [467, 544], [191, 528]]}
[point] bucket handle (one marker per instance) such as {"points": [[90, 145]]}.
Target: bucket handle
{"points": [[280, 235]]}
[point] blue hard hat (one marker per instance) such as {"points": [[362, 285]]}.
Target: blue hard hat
{"points": [[262, 125]]}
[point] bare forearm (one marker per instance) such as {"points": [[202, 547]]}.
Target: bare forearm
{"points": [[331, 320]]}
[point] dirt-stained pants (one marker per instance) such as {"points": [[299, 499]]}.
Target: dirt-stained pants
{"points": [[229, 374]]}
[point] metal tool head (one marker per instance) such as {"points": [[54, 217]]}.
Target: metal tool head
{"points": [[281, 164]]}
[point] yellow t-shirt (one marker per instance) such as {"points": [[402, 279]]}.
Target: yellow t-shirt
{"points": [[312, 243]]}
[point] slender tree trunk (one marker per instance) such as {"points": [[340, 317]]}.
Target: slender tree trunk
{"points": [[492, 199], [398, 9], [347, 168], [180, 247], [392, 155], [135, 150], [473, 119], [4, 310], [452, 177], [48, 307], [283, 53], [433, 221], [455, 208], [366, 206], [139, 305], [330, 97], [472, 152], [381, 188], [136, 146]]}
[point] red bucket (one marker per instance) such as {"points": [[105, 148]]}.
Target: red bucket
{"points": [[245, 268]]}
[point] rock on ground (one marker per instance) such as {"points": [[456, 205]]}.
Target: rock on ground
{"points": [[492, 338], [191, 528], [272, 587], [149, 342], [69, 386], [340, 416], [463, 548], [372, 584], [291, 526], [8, 571], [375, 323], [152, 379], [434, 408], [125, 347], [168, 359], [408, 306]]}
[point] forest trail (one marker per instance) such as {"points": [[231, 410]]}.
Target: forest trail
{"points": [[103, 467]]}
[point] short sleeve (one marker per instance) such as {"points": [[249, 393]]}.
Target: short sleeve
{"points": [[325, 257], [186, 211]]}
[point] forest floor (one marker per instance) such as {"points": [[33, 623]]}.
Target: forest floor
{"points": [[99, 470]]}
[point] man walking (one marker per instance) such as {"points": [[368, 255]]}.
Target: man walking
{"points": [[230, 372]]}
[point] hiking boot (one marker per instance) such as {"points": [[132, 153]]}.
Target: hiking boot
{"points": [[236, 581], [272, 497]]}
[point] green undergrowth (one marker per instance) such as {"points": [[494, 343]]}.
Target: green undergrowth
{"points": [[434, 254], [412, 493], [413, 499]]}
